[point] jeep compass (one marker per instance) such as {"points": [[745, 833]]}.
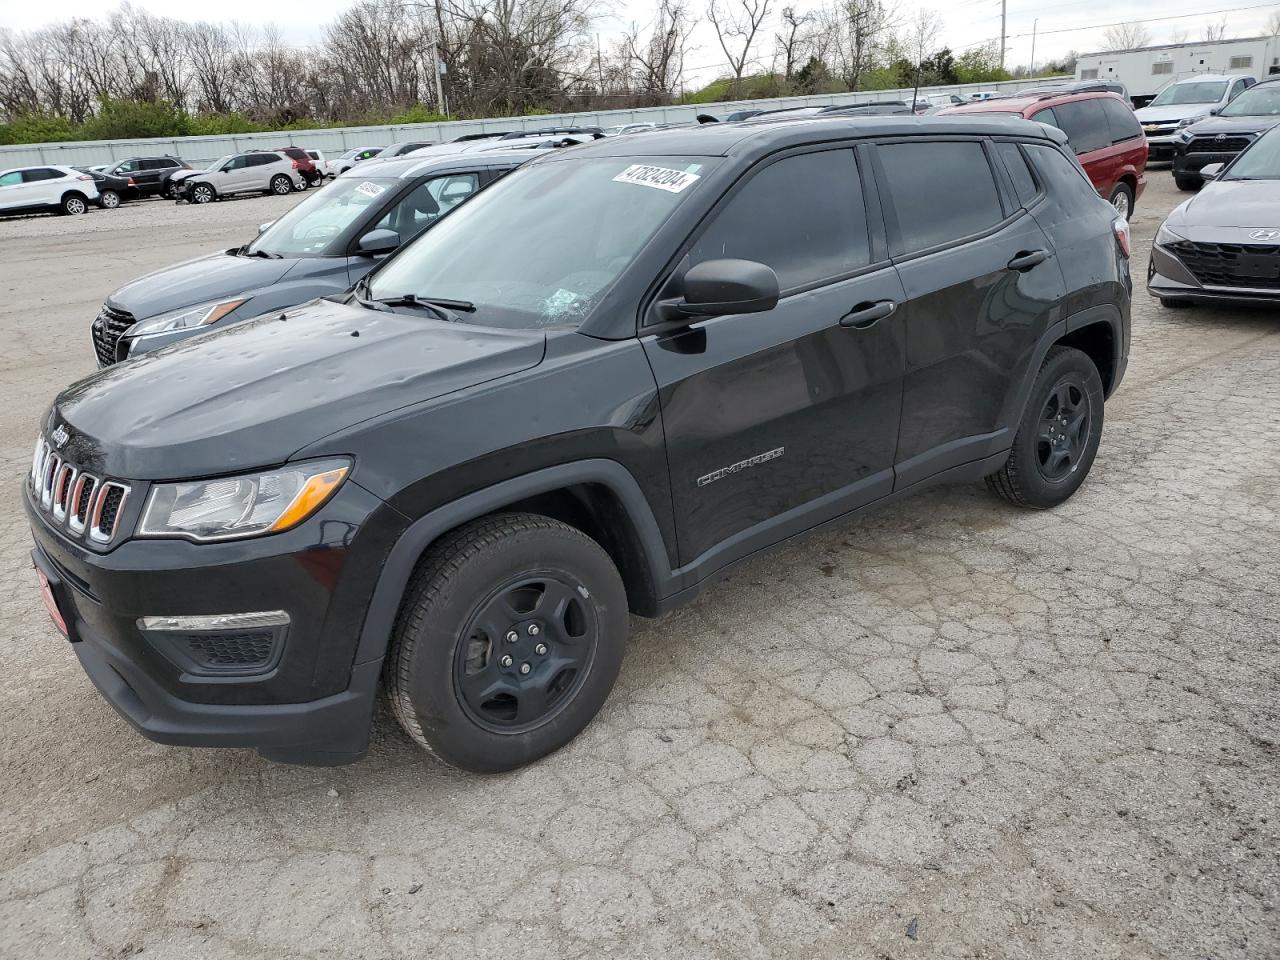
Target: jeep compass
{"points": [[615, 373]]}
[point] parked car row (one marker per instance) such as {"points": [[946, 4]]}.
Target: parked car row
{"points": [[445, 422]]}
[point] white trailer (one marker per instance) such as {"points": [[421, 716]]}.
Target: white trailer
{"points": [[1147, 70]]}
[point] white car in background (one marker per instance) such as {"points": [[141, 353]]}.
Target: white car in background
{"points": [[256, 171], [344, 162], [50, 187]]}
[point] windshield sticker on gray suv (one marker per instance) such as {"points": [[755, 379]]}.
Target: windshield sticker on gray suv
{"points": [[661, 178], [370, 189]]}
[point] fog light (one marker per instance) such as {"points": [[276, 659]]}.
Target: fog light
{"points": [[220, 644]]}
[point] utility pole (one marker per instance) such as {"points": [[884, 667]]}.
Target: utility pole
{"points": [[1004, 9], [435, 67], [1034, 23], [599, 66]]}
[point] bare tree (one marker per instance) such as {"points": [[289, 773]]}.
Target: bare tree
{"points": [[1216, 31], [922, 33], [737, 22], [793, 38], [1273, 23], [658, 59], [857, 32], [1179, 35], [1126, 36]]}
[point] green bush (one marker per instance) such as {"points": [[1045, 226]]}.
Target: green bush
{"points": [[418, 114], [37, 128], [220, 124], [135, 119]]}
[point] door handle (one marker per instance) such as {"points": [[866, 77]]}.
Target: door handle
{"points": [[1025, 261], [866, 315]]}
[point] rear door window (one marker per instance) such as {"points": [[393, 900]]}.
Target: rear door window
{"points": [[1124, 125], [941, 191], [1085, 125], [41, 173], [1047, 116], [802, 215]]}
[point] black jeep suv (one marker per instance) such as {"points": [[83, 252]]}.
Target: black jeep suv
{"points": [[613, 374]]}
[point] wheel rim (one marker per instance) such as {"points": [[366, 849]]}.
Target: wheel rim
{"points": [[525, 652], [203, 195], [110, 200], [1121, 202], [282, 186], [1063, 431], [75, 206]]}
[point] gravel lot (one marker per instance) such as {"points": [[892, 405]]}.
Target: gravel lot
{"points": [[950, 729]]}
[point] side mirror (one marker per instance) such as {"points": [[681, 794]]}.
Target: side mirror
{"points": [[264, 227], [1210, 171], [716, 288], [377, 242]]}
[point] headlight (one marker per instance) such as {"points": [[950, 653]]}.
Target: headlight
{"points": [[1187, 121], [1166, 237], [229, 508], [201, 316]]}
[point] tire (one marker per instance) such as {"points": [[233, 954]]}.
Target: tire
{"points": [[1190, 184], [1174, 303], [455, 676], [1058, 435], [74, 205], [281, 185], [108, 199], [203, 193], [1122, 199]]}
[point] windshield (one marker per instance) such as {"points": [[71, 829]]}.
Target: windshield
{"points": [[219, 162], [543, 245], [1260, 162], [1261, 101], [1201, 91], [311, 226]]}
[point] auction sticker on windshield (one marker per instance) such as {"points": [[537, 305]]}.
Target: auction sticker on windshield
{"points": [[661, 178], [370, 189]]}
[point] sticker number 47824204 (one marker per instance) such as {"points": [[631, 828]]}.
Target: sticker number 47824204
{"points": [[660, 178]]}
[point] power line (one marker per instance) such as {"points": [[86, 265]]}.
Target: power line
{"points": [[1176, 16]]}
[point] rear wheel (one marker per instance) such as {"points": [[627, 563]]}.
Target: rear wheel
{"points": [[508, 642], [1122, 199], [1188, 183], [202, 193], [280, 185], [73, 205], [108, 199], [1058, 435]]}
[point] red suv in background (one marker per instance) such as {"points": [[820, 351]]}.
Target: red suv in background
{"points": [[303, 163], [1100, 128]]}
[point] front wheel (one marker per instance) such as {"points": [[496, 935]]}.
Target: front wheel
{"points": [[1122, 200], [1190, 184], [202, 193], [73, 205], [280, 185], [508, 641], [108, 199], [1058, 434]]}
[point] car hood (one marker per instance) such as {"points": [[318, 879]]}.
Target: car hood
{"points": [[1227, 211], [211, 277], [1172, 113], [1233, 125], [184, 174], [250, 395]]}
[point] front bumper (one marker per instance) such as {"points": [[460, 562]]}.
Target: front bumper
{"points": [[312, 704], [1190, 164], [1160, 147], [1169, 279]]}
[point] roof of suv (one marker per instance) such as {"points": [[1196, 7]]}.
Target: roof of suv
{"points": [[750, 136], [411, 166], [1020, 104]]}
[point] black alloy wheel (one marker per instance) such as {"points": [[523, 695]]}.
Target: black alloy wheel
{"points": [[525, 652], [1063, 431]]}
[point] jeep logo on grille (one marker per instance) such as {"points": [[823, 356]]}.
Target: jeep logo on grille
{"points": [[1267, 236], [60, 436]]}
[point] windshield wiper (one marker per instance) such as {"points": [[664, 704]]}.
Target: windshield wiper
{"points": [[244, 252], [408, 300]]}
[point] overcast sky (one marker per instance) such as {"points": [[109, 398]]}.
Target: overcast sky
{"points": [[965, 22]]}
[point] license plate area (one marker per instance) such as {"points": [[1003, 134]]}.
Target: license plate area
{"points": [[55, 596], [1261, 266]]}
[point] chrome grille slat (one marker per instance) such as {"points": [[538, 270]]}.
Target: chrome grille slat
{"points": [[79, 502]]}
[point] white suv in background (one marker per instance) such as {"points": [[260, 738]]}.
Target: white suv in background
{"points": [[1182, 103], [259, 171], [32, 189]]}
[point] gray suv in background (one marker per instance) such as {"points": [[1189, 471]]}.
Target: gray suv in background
{"points": [[260, 171], [320, 247]]}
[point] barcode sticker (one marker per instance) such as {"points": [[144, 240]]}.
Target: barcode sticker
{"points": [[660, 178]]}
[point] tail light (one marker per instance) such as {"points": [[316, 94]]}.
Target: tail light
{"points": [[130, 182], [297, 165], [1121, 228], [84, 176]]}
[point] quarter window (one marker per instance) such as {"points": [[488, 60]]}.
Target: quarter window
{"points": [[1124, 125], [1063, 178], [941, 192], [1024, 184], [1085, 125], [803, 216]]}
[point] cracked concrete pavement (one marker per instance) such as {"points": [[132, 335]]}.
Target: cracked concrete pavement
{"points": [[948, 729]]}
